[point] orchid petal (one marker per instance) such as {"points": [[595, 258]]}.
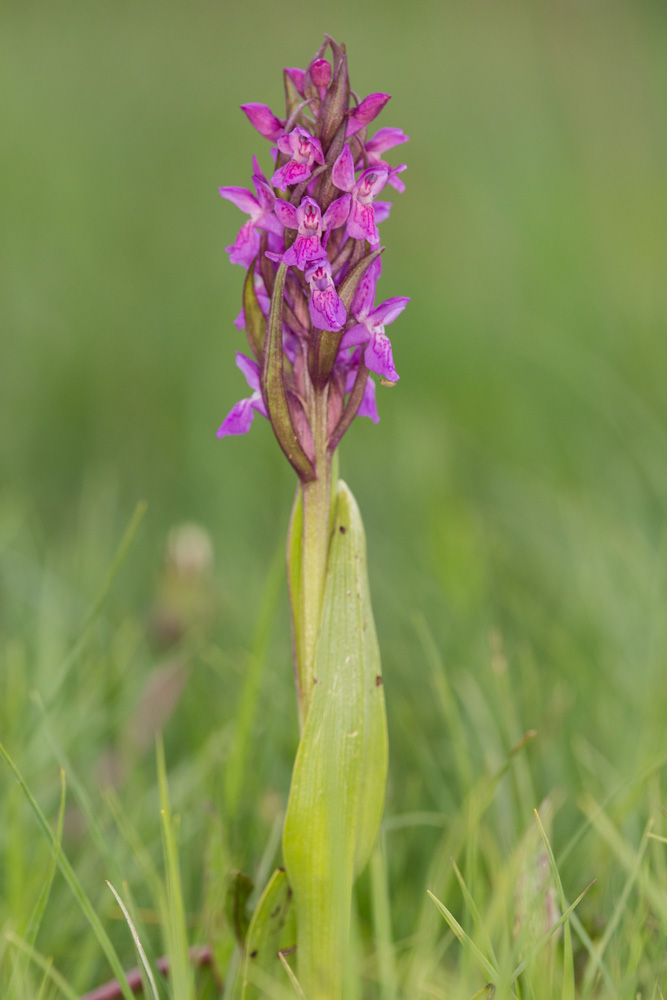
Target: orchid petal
{"points": [[342, 172], [368, 407], [296, 76], [355, 336], [382, 210], [379, 358], [337, 212], [246, 246], [326, 310], [291, 173], [286, 213], [386, 138], [263, 119], [387, 311], [242, 198], [364, 297], [362, 115], [249, 369], [361, 223]]}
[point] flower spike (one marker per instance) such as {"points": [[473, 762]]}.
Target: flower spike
{"points": [[310, 247]]}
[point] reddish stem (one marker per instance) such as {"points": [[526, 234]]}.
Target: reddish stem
{"points": [[201, 956]]}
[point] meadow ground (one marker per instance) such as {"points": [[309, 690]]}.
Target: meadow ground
{"points": [[514, 492]]}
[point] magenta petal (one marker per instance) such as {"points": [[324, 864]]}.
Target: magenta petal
{"points": [[238, 420], [386, 138], [250, 370], [242, 198], [264, 120], [327, 310], [382, 210], [291, 173], [337, 212], [368, 406], [286, 214], [296, 76], [320, 72], [306, 248], [355, 336], [369, 109], [361, 223], [364, 297], [246, 247], [265, 196], [387, 311], [379, 358], [342, 172]]}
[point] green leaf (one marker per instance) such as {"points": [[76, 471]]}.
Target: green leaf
{"points": [[339, 778], [239, 888], [272, 930], [255, 320], [273, 385]]}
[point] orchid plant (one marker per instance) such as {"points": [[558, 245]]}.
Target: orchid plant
{"points": [[312, 255]]}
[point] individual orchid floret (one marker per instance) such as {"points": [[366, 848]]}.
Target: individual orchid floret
{"points": [[320, 74], [242, 414], [307, 219], [385, 138], [304, 150], [365, 112], [361, 222], [263, 119], [260, 209], [326, 308], [371, 322]]}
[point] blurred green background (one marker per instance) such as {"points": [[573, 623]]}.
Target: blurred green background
{"points": [[516, 485]]}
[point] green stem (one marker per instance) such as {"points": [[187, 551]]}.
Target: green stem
{"points": [[316, 499]]}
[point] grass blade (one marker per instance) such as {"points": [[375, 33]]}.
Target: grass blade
{"points": [[75, 885]]}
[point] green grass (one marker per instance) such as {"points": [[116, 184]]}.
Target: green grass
{"points": [[514, 495]]}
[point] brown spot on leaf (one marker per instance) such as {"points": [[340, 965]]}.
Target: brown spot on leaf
{"points": [[378, 681]]}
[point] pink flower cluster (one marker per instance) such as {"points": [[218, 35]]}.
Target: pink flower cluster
{"points": [[317, 219]]}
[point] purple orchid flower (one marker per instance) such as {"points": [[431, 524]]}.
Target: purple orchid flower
{"points": [[385, 138], [263, 119], [242, 414], [261, 211], [365, 112], [361, 222], [326, 308], [304, 150], [371, 322], [307, 219]]}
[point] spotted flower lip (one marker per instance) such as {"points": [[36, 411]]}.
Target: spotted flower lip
{"points": [[327, 310], [307, 219], [242, 414], [304, 150]]}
